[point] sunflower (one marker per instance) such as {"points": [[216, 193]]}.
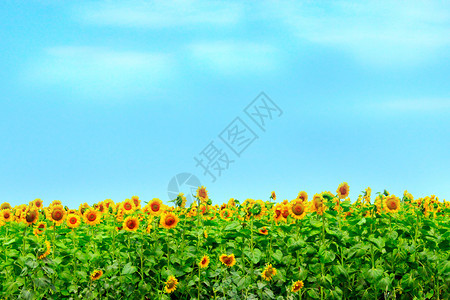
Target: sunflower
{"points": [[38, 203], [391, 204], [258, 209], [202, 194], [269, 272], [343, 190], [92, 216], [5, 205], [277, 212], [56, 213], [171, 284], [31, 215], [136, 201], [96, 274], [6, 215], [128, 206], [40, 228], [180, 201], [169, 220], [263, 231], [231, 202], [298, 209], [317, 204], [297, 286], [228, 260], [73, 221], [155, 207], [285, 210], [131, 223], [273, 196], [46, 252], [204, 262], [302, 196], [226, 214]]}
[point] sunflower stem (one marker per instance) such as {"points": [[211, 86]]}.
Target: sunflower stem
{"points": [[23, 245]]}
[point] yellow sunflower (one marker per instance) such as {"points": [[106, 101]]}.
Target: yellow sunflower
{"points": [[96, 274], [5, 205], [169, 220], [92, 216], [298, 209], [228, 260], [73, 221], [343, 190], [273, 196], [46, 252], [131, 223], [6, 215], [56, 213], [226, 214], [155, 207], [391, 204], [40, 228], [297, 286], [202, 194], [31, 215], [317, 204], [263, 231], [204, 262], [128, 206], [38, 203], [136, 201], [302, 196], [171, 284], [269, 272]]}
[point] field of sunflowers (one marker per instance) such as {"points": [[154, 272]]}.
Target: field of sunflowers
{"points": [[312, 247]]}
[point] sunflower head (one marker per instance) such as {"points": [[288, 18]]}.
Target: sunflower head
{"points": [[155, 207], [204, 262], [391, 204], [171, 284], [202, 194], [6, 215], [73, 220], [169, 220], [298, 209], [343, 190], [38, 203], [5, 205], [302, 196], [31, 215], [40, 228], [56, 213], [297, 286], [273, 196], [45, 251], [269, 272], [92, 216], [263, 231], [131, 224], [228, 260], [96, 274]]}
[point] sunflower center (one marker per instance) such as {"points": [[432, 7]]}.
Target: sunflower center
{"points": [[285, 213], [127, 206], [92, 217], [170, 284], [170, 221], [57, 215], [202, 193], [131, 224], [343, 190], [392, 205], [73, 221], [155, 207], [298, 209]]}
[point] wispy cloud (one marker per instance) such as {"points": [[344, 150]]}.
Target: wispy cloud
{"points": [[234, 57], [159, 14], [97, 70], [381, 33]]}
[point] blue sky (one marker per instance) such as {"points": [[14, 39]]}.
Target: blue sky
{"points": [[112, 99]]}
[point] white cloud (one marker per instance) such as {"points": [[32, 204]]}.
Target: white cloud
{"points": [[381, 33], [100, 71], [233, 57], [159, 14]]}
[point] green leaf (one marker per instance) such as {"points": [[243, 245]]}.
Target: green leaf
{"points": [[278, 255], [374, 275], [128, 269]]}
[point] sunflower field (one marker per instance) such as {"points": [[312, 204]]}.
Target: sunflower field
{"points": [[321, 247]]}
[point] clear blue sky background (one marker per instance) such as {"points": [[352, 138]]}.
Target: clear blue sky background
{"points": [[112, 99]]}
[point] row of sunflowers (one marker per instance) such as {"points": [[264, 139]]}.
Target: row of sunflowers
{"points": [[320, 247]]}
